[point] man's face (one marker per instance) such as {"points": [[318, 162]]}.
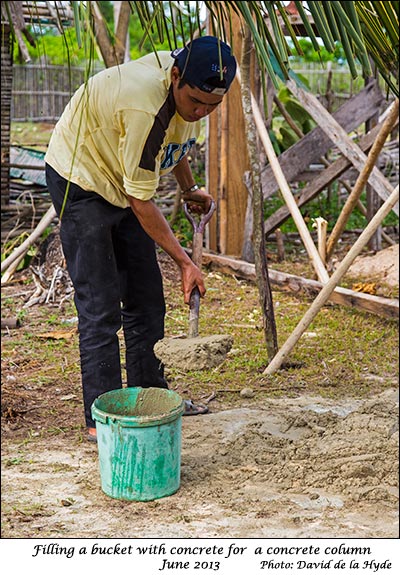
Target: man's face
{"points": [[192, 104]]}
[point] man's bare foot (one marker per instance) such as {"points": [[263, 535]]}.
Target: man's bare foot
{"points": [[92, 434]]}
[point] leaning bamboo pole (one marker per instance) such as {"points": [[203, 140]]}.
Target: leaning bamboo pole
{"points": [[37, 232], [328, 288], [362, 179], [5, 278]]}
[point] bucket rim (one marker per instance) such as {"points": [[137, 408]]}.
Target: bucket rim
{"points": [[137, 420]]}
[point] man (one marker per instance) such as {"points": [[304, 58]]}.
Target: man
{"points": [[120, 132]]}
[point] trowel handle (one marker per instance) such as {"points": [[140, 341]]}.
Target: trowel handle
{"points": [[194, 308], [197, 248], [198, 226], [194, 302], [197, 253]]}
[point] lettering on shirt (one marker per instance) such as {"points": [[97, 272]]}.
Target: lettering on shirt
{"points": [[173, 153]]}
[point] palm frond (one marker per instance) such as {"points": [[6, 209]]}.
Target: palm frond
{"points": [[367, 29]]}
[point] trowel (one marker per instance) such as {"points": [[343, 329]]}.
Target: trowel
{"points": [[194, 352], [197, 254]]}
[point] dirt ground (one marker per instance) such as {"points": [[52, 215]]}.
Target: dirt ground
{"points": [[286, 467]]}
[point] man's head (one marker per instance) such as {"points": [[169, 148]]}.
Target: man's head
{"points": [[200, 64], [202, 73]]}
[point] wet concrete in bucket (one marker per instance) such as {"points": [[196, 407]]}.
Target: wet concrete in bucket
{"points": [[135, 402], [194, 353]]}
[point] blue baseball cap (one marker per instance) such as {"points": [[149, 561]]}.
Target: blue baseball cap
{"points": [[199, 64]]}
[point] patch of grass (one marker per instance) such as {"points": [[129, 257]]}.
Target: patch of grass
{"points": [[31, 134], [31, 510], [14, 461], [343, 353], [337, 355]]}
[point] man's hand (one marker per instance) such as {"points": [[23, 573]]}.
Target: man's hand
{"points": [[191, 277], [199, 201], [156, 226]]}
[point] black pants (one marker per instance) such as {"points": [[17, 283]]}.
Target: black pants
{"points": [[113, 267]]}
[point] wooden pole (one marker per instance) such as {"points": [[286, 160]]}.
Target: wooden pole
{"points": [[37, 232], [299, 286], [224, 182], [5, 278], [288, 196], [362, 179], [326, 291], [322, 225]]}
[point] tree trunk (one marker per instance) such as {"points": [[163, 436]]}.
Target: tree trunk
{"points": [[112, 54], [122, 13], [264, 287]]}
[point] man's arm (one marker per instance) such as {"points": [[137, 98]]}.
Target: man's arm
{"points": [[156, 226], [184, 177]]}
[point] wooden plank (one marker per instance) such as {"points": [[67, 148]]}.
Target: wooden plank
{"points": [[316, 143], [342, 140], [227, 161], [213, 175], [238, 164], [320, 182], [384, 307]]}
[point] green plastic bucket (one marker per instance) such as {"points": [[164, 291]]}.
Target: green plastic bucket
{"points": [[139, 442]]}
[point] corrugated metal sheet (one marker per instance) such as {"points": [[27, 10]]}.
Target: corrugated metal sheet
{"points": [[24, 158]]}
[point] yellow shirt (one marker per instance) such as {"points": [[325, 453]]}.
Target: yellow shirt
{"points": [[120, 132]]}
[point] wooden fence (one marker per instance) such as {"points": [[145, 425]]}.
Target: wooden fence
{"points": [[41, 92], [317, 76]]}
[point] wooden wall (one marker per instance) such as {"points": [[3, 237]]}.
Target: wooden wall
{"points": [[226, 164], [6, 87]]}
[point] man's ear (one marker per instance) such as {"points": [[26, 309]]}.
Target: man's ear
{"points": [[175, 74]]}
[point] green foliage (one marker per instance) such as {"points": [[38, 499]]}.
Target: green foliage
{"points": [[140, 43], [107, 10], [327, 206], [344, 31], [285, 135], [58, 49], [182, 229], [296, 111], [310, 55]]}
